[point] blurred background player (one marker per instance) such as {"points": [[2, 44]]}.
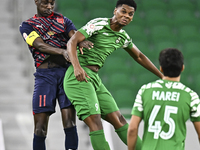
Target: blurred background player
{"points": [[165, 106], [91, 99], [47, 34]]}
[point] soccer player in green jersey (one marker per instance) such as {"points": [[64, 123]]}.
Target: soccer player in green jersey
{"points": [[82, 84], [165, 106]]}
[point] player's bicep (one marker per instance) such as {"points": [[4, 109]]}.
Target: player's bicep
{"points": [[135, 121], [31, 38], [38, 42], [78, 37], [197, 127], [71, 33], [133, 51], [28, 33]]}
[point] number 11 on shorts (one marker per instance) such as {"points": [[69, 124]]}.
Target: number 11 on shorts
{"points": [[42, 102]]}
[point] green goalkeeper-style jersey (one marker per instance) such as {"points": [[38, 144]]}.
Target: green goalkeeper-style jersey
{"points": [[105, 41], [165, 106]]}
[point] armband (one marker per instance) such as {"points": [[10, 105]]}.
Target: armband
{"points": [[31, 38]]}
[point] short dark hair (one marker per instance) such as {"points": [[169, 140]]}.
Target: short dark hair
{"points": [[131, 3], [171, 60]]}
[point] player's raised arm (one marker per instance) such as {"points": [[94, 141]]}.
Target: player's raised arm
{"points": [[139, 57], [79, 73]]}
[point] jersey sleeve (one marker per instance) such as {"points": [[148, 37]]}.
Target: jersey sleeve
{"points": [[195, 107], [28, 33], [138, 104], [69, 26], [92, 26]]}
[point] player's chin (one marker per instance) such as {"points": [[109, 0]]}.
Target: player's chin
{"points": [[124, 23], [47, 13]]}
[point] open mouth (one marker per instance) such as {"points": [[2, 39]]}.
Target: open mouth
{"points": [[124, 21]]}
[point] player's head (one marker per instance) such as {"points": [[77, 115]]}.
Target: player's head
{"points": [[124, 11], [44, 7], [130, 3], [171, 62]]}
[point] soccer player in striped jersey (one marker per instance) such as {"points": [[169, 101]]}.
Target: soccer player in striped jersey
{"points": [[82, 84], [47, 34], [165, 106]]}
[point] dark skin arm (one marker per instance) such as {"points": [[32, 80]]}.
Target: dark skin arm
{"points": [[46, 48], [134, 53], [79, 73], [140, 58]]}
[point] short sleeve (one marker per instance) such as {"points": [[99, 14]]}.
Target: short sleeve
{"points": [[69, 25], [92, 26], [195, 107], [28, 33], [138, 104]]}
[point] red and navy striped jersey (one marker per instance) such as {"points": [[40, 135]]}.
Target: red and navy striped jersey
{"points": [[53, 30]]}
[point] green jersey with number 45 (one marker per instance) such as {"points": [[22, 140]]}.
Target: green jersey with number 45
{"points": [[105, 41], [165, 106]]}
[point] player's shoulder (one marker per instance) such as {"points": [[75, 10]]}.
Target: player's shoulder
{"points": [[94, 25], [154, 84], [25, 26], [191, 92], [99, 21]]}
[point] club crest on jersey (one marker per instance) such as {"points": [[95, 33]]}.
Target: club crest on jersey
{"points": [[60, 20], [118, 40], [51, 33]]}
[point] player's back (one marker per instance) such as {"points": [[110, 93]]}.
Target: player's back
{"points": [[167, 105]]}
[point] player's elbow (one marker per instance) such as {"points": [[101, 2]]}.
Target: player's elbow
{"points": [[72, 43], [132, 131]]}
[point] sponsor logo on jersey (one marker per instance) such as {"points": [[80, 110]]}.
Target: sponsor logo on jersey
{"points": [[51, 33]]}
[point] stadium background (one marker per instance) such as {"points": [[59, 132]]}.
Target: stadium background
{"points": [[157, 24]]}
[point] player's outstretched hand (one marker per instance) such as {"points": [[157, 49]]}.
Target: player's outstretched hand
{"points": [[80, 74], [85, 44]]}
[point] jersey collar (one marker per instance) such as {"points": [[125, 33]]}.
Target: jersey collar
{"points": [[35, 16]]}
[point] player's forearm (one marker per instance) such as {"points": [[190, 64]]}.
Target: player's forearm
{"points": [[46, 48], [72, 52], [145, 62], [131, 140]]}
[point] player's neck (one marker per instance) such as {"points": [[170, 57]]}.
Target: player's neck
{"points": [[177, 79], [114, 25]]}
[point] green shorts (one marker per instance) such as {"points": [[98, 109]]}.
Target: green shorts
{"points": [[88, 98]]}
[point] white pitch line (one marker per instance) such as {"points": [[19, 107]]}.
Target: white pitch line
{"points": [[2, 146]]}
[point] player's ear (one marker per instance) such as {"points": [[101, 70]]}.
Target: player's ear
{"points": [[36, 2], [183, 68], [161, 69], [114, 12]]}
